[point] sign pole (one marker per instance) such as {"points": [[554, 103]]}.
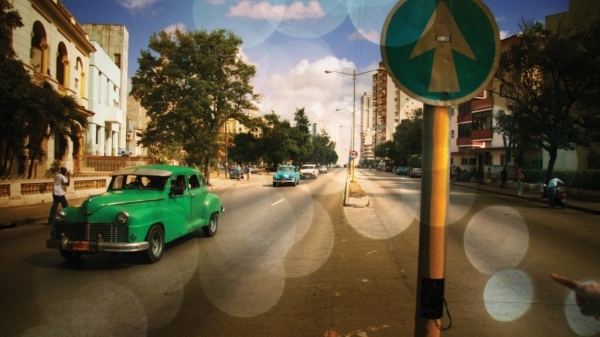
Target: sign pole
{"points": [[434, 210]]}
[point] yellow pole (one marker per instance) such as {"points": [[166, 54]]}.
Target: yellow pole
{"points": [[434, 206]]}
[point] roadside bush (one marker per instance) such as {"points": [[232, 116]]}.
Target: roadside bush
{"points": [[584, 179]]}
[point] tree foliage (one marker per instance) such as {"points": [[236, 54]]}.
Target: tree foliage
{"points": [[190, 83], [551, 83]]}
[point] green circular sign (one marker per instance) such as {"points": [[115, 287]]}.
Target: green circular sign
{"points": [[441, 52]]}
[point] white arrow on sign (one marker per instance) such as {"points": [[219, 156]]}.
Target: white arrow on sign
{"points": [[443, 34]]}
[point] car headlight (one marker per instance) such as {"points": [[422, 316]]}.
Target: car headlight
{"points": [[123, 217], [60, 216]]}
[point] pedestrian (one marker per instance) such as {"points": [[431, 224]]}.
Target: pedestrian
{"points": [[503, 178], [248, 170], [552, 185], [519, 182], [587, 295], [457, 173], [453, 173], [59, 188]]}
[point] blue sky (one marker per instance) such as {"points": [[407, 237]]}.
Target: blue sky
{"points": [[291, 42]]}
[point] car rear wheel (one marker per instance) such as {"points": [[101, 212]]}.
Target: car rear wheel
{"points": [[156, 239], [71, 256], [274, 184], [211, 229]]}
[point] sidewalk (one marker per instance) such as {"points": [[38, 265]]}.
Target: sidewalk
{"points": [[38, 213], [587, 206]]}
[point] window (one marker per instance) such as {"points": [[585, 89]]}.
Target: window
{"points": [[118, 60], [451, 133], [464, 130], [468, 161], [482, 120]]}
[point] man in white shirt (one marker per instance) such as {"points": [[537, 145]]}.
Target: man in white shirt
{"points": [[58, 192], [552, 185]]}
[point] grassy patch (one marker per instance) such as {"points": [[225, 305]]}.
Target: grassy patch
{"points": [[356, 191]]}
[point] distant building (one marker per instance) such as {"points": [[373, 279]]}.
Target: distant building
{"points": [[332, 130]]}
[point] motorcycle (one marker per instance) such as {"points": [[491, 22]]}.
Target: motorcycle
{"points": [[560, 199]]}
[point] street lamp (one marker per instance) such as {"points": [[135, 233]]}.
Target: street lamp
{"points": [[354, 75]]}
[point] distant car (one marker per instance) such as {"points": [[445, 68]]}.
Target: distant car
{"points": [[236, 173], [323, 169], [143, 209], [402, 170], [124, 153], [286, 175], [416, 172], [388, 169], [309, 171]]}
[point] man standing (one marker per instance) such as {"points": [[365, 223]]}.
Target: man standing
{"points": [[519, 182], [58, 192], [503, 178], [552, 185], [248, 170]]}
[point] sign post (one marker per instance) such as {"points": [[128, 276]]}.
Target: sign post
{"points": [[442, 53]]}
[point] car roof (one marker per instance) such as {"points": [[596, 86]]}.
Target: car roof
{"points": [[286, 166], [154, 170]]}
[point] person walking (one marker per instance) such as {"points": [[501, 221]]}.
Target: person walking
{"points": [[248, 170], [552, 185], [503, 178], [519, 182], [61, 180]]}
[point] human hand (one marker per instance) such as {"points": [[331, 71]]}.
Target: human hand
{"points": [[587, 295]]}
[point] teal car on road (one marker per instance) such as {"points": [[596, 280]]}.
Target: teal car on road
{"points": [[286, 175], [143, 208]]}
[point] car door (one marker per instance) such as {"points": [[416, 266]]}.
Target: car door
{"points": [[198, 193], [181, 210]]}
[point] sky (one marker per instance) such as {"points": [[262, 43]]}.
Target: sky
{"points": [[291, 42]]}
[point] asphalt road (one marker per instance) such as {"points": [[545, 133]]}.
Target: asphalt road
{"points": [[291, 261]]}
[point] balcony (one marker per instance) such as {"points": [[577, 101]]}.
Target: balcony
{"points": [[482, 134], [464, 118], [481, 104], [463, 141], [113, 115]]}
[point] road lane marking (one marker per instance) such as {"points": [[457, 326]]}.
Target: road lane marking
{"points": [[277, 202]]}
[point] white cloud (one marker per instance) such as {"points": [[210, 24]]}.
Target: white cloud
{"points": [[136, 4], [266, 11], [307, 86], [215, 2], [372, 36], [179, 25], [504, 34]]}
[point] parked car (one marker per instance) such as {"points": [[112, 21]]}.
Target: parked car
{"points": [[415, 172], [402, 170], [236, 173], [323, 169], [124, 153], [143, 208], [309, 171], [286, 174]]}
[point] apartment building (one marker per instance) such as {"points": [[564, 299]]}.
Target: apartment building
{"points": [[55, 49]]}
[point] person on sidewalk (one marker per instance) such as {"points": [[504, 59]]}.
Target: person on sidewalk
{"points": [[553, 184], [59, 189], [503, 178], [519, 182], [248, 170]]}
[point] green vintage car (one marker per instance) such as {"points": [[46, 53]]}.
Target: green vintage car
{"points": [[143, 208], [286, 174]]}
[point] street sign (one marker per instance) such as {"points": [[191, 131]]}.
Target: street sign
{"points": [[441, 52], [353, 154]]}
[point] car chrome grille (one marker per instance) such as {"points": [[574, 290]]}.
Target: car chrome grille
{"points": [[90, 232]]}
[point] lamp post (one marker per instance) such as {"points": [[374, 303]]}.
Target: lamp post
{"points": [[354, 75]]}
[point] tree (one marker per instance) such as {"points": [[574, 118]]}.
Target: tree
{"points": [[276, 142], [302, 146], [323, 150], [408, 139], [246, 149], [547, 79], [190, 83]]}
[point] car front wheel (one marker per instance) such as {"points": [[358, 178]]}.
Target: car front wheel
{"points": [[211, 229], [156, 239]]}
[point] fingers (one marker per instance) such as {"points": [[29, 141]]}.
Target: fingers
{"points": [[567, 282]]}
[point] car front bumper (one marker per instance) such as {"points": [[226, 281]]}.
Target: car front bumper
{"points": [[96, 246]]}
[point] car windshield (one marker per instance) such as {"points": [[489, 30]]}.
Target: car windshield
{"points": [[284, 169], [308, 166], [141, 182]]}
